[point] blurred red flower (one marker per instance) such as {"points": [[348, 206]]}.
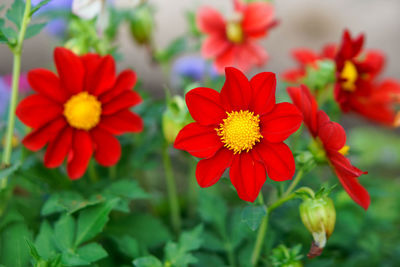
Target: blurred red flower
{"points": [[232, 42], [356, 87], [78, 112], [242, 128], [332, 138]]}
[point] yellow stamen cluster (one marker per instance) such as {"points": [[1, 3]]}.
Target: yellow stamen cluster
{"points": [[350, 75], [82, 111], [240, 131], [234, 32], [344, 150]]}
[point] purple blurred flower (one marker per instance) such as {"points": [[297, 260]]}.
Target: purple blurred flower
{"points": [[194, 68], [5, 90], [4, 97]]}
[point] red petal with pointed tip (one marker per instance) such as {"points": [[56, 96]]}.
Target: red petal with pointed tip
{"points": [[210, 21], [305, 56], [331, 133], [47, 83], [122, 122], [225, 59], [204, 106], [281, 122], [278, 160], [209, 171], [257, 18], [214, 45], [126, 80], [100, 73], [125, 100], [58, 149], [247, 176], [70, 70], [264, 86], [82, 150], [107, 147], [236, 94], [200, 141]]}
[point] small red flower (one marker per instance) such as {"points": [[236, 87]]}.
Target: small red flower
{"points": [[332, 137], [307, 58], [356, 88], [232, 42], [78, 112], [242, 128]]}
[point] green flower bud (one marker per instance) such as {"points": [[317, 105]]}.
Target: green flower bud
{"points": [[174, 118], [319, 217], [142, 24]]}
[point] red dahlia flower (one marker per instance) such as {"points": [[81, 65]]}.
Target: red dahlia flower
{"points": [[307, 58], [242, 128], [356, 87], [78, 112], [332, 138], [232, 42]]}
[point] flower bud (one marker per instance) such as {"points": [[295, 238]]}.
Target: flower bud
{"points": [[174, 118], [319, 216], [142, 24]]}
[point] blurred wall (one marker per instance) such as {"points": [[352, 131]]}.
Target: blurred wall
{"points": [[304, 23]]}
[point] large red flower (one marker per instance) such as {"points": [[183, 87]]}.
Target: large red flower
{"points": [[78, 112], [307, 58], [242, 128], [232, 42], [356, 88], [332, 138]]}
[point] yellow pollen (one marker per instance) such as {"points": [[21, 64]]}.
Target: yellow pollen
{"points": [[350, 75], [344, 150], [82, 111], [240, 131], [234, 32]]}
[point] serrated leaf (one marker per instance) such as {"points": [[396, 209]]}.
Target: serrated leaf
{"points": [[92, 220], [64, 232], [34, 29], [44, 241], [91, 252], [38, 6], [252, 216], [149, 261], [16, 12]]}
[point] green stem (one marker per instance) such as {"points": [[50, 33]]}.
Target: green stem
{"points": [[94, 177], [262, 230], [17, 51], [295, 182], [171, 188]]}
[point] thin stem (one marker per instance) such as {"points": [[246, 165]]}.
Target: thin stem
{"points": [[94, 177], [17, 51], [280, 201], [171, 188], [262, 230], [295, 182]]}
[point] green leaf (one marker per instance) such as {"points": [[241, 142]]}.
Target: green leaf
{"points": [[34, 29], [64, 232], [13, 248], [177, 46], [16, 12], [127, 188], [252, 216], [149, 261], [92, 220], [127, 245], [45, 241], [14, 167], [38, 6], [92, 252], [213, 210], [33, 250]]}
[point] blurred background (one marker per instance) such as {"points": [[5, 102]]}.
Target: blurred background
{"points": [[303, 23]]}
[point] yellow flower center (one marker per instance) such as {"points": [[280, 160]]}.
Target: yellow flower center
{"points": [[234, 32], [82, 111], [344, 150], [350, 75], [240, 131]]}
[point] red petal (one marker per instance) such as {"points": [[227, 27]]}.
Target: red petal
{"points": [[38, 138], [100, 73], [125, 100], [209, 171], [214, 45], [47, 83], [331, 133], [236, 93], [305, 56], [278, 160], [36, 111], [247, 176], [249, 55], [348, 175], [107, 147], [281, 122], [126, 80], [70, 70], [264, 86], [122, 122], [293, 75], [204, 106], [226, 59], [82, 150], [58, 149], [200, 141], [257, 18], [210, 21], [306, 103]]}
